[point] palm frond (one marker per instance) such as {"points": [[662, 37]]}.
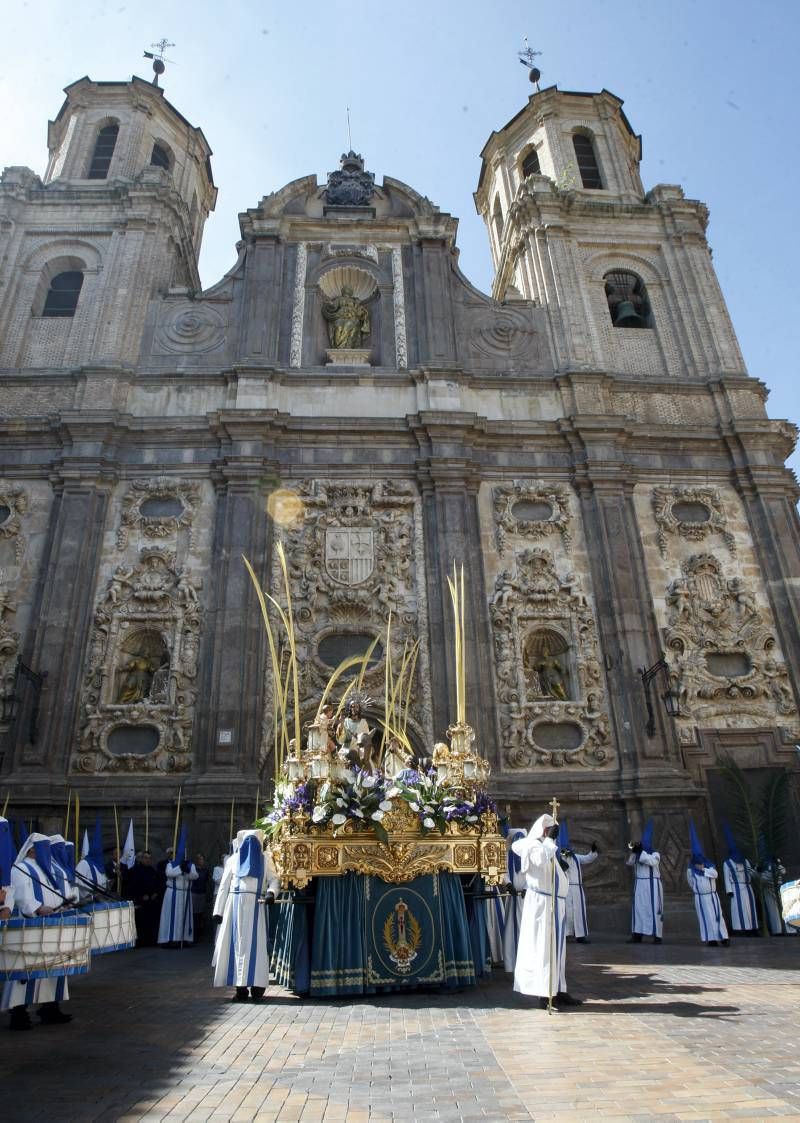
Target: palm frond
{"points": [[745, 814], [775, 813]]}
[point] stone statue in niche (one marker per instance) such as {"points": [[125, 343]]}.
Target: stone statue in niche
{"points": [[545, 666], [135, 680], [348, 320], [143, 674]]}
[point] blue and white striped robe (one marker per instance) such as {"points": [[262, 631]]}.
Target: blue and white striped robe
{"points": [[29, 896], [241, 956], [576, 901], [647, 910], [738, 880], [703, 883], [176, 924]]}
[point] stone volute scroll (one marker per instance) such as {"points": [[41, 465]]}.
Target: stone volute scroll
{"points": [[345, 291]]}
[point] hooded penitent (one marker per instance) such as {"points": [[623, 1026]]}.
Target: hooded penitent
{"points": [[563, 835], [647, 837]]}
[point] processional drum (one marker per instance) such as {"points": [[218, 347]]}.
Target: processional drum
{"points": [[790, 902], [45, 947], [113, 926]]}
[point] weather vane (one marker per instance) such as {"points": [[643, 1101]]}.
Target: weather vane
{"points": [[526, 57], [157, 55]]}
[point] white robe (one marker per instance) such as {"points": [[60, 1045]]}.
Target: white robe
{"points": [[647, 914], [85, 872], [775, 921], [28, 898], [738, 879], [241, 956], [514, 903], [176, 924], [576, 901], [706, 902], [541, 955]]}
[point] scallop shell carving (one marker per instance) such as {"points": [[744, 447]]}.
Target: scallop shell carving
{"points": [[334, 280]]}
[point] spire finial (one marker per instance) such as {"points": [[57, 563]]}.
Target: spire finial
{"points": [[526, 57], [157, 55]]}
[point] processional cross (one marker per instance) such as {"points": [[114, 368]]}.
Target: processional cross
{"points": [[554, 806]]}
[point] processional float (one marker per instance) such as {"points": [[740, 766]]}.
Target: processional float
{"points": [[394, 818]]}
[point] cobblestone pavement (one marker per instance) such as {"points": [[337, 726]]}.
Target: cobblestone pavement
{"points": [[673, 1032]]}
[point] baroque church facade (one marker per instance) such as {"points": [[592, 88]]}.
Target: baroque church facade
{"points": [[586, 441]]}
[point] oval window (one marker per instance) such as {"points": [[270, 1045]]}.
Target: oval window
{"points": [[532, 510], [731, 664], [4, 513], [138, 740], [558, 736], [161, 507], [337, 646], [691, 512]]}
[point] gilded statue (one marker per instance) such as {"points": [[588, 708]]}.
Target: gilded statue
{"points": [[348, 320], [136, 680]]}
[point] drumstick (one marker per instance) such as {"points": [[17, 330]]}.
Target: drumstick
{"points": [[77, 825], [66, 818], [5, 805], [119, 856], [258, 800], [147, 824]]}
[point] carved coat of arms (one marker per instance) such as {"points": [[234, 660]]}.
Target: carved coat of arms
{"points": [[349, 553]]}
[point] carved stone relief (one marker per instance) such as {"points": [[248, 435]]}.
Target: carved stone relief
{"points": [[192, 327], [549, 681], [13, 505], [139, 692], [505, 333], [159, 507], [691, 512], [532, 510], [355, 555], [723, 653]]}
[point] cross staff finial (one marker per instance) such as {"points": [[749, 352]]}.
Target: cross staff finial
{"points": [[554, 806]]}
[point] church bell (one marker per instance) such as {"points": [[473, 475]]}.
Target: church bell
{"points": [[627, 316]]}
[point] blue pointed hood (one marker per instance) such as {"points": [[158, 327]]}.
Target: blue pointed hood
{"points": [[181, 850], [43, 855], [63, 853], [6, 852], [251, 856], [563, 835], [734, 853], [95, 854], [647, 837], [697, 848]]}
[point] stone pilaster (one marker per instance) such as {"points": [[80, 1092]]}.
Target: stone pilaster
{"points": [[228, 732], [57, 638]]}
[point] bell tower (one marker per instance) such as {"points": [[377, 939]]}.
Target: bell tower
{"points": [[625, 275], [117, 217]]}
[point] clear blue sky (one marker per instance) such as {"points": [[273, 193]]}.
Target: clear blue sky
{"points": [[710, 85]]}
